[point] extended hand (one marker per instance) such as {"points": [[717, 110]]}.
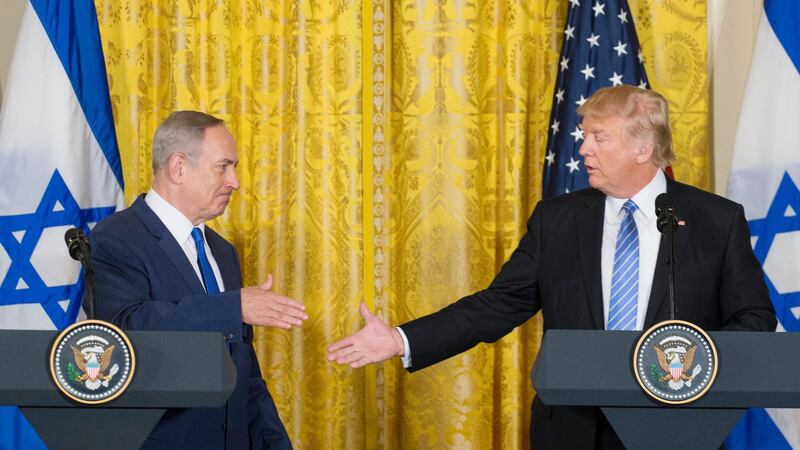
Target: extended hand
{"points": [[375, 342], [261, 306]]}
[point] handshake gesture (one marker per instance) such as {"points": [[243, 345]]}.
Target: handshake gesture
{"points": [[261, 306], [374, 343]]}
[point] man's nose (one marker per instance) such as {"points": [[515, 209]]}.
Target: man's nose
{"points": [[233, 180], [584, 149]]}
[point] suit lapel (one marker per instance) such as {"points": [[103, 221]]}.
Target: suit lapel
{"points": [[168, 245], [589, 223], [226, 259], [175, 253], [659, 294]]}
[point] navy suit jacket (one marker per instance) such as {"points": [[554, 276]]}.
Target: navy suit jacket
{"points": [[145, 282], [556, 270]]}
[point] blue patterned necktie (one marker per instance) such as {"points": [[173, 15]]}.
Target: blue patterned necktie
{"points": [[625, 278], [209, 280]]}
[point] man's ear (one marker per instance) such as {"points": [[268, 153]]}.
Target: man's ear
{"points": [[644, 153], [175, 168]]}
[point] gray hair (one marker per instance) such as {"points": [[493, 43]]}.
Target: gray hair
{"points": [[183, 131]]}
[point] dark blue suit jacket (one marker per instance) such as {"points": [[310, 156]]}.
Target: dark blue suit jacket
{"points": [[145, 282]]}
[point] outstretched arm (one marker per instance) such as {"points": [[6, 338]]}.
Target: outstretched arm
{"points": [[374, 343]]}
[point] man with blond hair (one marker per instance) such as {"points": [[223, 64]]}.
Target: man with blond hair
{"points": [[159, 267], [594, 259]]}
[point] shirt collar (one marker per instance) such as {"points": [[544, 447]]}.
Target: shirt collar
{"points": [[179, 226], [645, 199]]}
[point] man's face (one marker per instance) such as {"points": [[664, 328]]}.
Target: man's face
{"points": [[613, 162], [209, 183]]}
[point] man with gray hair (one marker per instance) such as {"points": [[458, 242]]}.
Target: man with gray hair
{"points": [[159, 267], [594, 259]]}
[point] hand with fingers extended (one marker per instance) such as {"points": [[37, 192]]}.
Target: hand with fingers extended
{"points": [[261, 306], [374, 343]]}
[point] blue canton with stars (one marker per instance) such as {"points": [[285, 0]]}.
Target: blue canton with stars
{"points": [[600, 49], [32, 225], [765, 230]]}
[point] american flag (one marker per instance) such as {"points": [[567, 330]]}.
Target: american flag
{"points": [[600, 49]]}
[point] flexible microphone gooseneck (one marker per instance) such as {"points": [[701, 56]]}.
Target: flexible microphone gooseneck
{"points": [[79, 250], [666, 222]]}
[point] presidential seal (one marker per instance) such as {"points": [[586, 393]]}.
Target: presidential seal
{"points": [[675, 362], [92, 362]]}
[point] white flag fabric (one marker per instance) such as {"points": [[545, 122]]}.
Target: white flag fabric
{"points": [[59, 168], [765, 176]]}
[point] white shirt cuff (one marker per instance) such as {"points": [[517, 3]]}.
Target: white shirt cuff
{"points": [[406, 358]]}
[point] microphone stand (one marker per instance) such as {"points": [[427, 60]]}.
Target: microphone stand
{"points": [[671, 243], [667, 219], [88, 276]]}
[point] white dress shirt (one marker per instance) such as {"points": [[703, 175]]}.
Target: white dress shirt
{"points": [[649, 240], [180, 227]]}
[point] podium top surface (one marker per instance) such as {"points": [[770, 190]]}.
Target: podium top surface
{"points": [[589, 367], [173, 370]]}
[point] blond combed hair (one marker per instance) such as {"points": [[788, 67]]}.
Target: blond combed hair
{"points": [[645, 112]]}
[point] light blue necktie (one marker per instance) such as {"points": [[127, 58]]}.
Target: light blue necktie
{"points": [[625, 278], [209, 280]]}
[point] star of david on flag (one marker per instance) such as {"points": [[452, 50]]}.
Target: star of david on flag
{"points": [[600, 49], [765, 176], [60, 166], [775, 235], [32, 278]]}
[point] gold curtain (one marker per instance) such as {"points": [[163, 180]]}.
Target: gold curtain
{"points": [[390, 152]]}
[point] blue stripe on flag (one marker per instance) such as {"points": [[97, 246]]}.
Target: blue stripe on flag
{"points": [[17, 432], [763, 179], [782, 15], [72, 28], [756, 430]]}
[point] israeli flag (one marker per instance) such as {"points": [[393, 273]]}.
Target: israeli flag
{"points": [[764, 178], [59, 168]]}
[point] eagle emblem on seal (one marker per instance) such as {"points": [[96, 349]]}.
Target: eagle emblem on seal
{"points": [[93, 363], [676, 356]]}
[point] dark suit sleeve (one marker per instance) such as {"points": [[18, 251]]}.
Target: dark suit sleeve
{"points": [[744, 300], [130, 293], [485, 316]]}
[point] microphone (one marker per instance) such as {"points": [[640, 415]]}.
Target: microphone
{"points": [[665, 212], [76, 243], [79, 250], [666, 222]]}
